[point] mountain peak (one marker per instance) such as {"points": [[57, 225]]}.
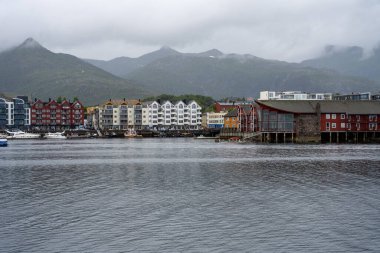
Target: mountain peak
{"points": [[212, 53], [167, 48], [30, 43]]}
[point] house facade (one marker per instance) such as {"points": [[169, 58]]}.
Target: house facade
{"points": [[15, 113], [294, 95], [134, 114], [320, 121], [214, 119], [56, 116]]}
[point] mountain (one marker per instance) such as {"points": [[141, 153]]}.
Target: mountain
{"points": [[240, 75], [122, 66], [349, 61], [213, 73], [30, 69]]}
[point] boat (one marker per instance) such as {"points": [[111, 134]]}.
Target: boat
{"points": [[55, 136], [21, 135], [131, 133], [201, 137], [3, 142]]}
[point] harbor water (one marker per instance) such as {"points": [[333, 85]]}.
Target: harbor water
{"points": [[186, 195]]}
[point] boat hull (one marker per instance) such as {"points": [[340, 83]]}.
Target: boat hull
{"points": [[3, 142]]}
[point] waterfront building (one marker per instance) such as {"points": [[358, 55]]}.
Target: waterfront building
{"points": [[357, 96], [54, 116], [227, 106], [231, 120], [134, 114], [14, 113], [293, 95], [316, 121], [214, 119], [116, 114], [247, 119]]}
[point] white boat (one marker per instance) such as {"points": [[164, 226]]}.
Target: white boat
{"points": [[22, 135], [131, 133], [201, 137], [3, 142], [55, 136]]}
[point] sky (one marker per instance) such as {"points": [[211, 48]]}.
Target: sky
{"points": [[291, 30]]}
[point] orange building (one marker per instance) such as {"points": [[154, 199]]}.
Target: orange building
{"points": [[231, 120]]}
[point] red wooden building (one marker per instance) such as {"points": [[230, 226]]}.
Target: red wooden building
{"points": [[57, 116], [327, 120]]}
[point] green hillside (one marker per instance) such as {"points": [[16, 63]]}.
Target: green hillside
{"points": [[240, 76], [31, 69]]}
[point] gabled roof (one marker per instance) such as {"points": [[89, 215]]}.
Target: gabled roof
{"points": [[121, 102], [326, 106], [232, 113]]}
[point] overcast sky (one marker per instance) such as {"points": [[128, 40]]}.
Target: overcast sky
{"points": [[290, 30]]}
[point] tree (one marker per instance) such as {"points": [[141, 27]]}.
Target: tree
{"points": [[59, 100]]}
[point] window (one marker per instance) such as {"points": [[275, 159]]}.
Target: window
{"points": [[333, 116], [357, 117], [342, 125], [349, 126], [333, 125], [327, 126], [357, 126], [342, 116], [372, 126], [327, 116]]}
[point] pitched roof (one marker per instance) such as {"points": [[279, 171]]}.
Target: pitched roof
{"points": [[122, 101], [232, 113], [327, 106]]}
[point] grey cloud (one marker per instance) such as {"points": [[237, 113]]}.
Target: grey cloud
{"points": [[288, 30]]}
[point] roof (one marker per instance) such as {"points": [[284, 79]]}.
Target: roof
{"points": [[327, 106], [234, 103], [121, 101], [232, 113]]}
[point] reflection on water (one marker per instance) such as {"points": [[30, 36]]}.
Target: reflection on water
{"points": [[184, 195]]}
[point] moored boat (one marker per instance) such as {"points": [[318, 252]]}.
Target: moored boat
{"points": [[55, 136], [3, 142], [201, 137], [22, 135], [131, 133]]}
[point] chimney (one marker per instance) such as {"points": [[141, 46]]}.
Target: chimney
{"points": [[109, 100], [35, 99], [124, 99], [49, 99]]}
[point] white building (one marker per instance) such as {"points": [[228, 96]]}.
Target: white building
{"points": [[214, 119], [174, 116], [294, 95], [124, 114]]}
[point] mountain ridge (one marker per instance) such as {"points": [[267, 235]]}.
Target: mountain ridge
{"points": [[32, 69], [217, 74]]}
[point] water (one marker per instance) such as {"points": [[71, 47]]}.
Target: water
{"points": [[185, 195]]}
